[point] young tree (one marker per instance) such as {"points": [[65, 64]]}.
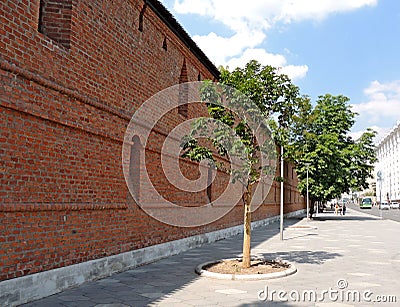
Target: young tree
{"points": [[242, 104]]}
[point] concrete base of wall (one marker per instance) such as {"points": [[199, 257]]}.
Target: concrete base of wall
{"points": [[32, 287]]}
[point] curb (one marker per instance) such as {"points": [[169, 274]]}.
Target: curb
{"points": [[199, 270]]}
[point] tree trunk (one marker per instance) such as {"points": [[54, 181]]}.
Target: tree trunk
{"points": [[247, 229]]}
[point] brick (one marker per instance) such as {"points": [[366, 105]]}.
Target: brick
{"points": [[66, 98]]}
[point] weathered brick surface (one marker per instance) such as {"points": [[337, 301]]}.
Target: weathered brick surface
{"points": [[66, 99]]}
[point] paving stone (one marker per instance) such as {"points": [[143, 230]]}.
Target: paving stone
{"points": [[364, 252], [231, 291], [72, 298], [107, 281], [105, 299], [168, 305], [78, 304], [112, 305], [47, 302]]}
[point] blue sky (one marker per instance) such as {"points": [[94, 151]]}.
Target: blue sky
{"points": [[349, 47]]}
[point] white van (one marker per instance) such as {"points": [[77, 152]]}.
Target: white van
{"points": [[384, 205]]}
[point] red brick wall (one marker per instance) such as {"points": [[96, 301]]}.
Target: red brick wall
{"points": [[65, 103]]}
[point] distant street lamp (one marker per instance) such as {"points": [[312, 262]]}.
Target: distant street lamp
{"points": [[390, 188], [380, 178], [281, 204], [308, 217]]}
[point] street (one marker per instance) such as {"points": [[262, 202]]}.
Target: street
{"points": [[392, 214]]}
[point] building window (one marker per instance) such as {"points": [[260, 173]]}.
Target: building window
{"points": [[55, 20], [183, 91]]}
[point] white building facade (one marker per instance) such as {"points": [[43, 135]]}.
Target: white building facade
{"points": [[388, 166]]}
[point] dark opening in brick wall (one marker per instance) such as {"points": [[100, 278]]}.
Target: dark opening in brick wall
{"points": [[183, 91], [55, 20], [209, 184], [141, 16], [134, 166], [164, 44]]}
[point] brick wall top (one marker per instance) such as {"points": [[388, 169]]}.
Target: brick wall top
{"points": [[175, 27], [106, 58]]}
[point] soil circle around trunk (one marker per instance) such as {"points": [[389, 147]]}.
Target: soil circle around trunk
{"points": [[259, 269]]}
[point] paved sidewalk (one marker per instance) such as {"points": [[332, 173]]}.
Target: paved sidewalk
{"points": [[357, 252]]}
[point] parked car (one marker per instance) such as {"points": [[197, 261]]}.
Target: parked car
{"points": [[394, 205], [384, 206]]}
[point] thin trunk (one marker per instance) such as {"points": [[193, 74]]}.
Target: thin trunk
{"points": [[247, 229]]}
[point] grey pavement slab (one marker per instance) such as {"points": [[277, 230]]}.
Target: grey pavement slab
{"points": [[342, 258]]}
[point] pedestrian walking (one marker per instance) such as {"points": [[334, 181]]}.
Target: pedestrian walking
{"points": [[344, 209], [336, 209]]}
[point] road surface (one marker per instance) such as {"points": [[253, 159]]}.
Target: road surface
{"points": [[392, 214]]}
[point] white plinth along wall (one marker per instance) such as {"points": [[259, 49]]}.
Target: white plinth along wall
{"points": [[388, 154]]}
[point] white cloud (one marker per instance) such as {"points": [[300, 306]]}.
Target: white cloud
{"points": [[237, 50], [383, 102], [250, 22], [382, 107], [317, 10], [295, 72], [356, 134], [265, 58], [262, 14], [381, 133], [219, 48], [261, 55], [200, 7], [234, 14]]}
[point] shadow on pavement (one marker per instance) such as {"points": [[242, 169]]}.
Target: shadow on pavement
{"points": [[310, 257], [299, 236], [344, 218]]}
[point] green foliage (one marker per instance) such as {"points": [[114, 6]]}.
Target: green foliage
{"points": [[247, 98], [271, 91], [319, 137], [362, 161], [229, 132]]}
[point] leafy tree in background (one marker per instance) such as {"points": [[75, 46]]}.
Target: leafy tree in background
{"points": [[320, 138], [362, 161]]}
